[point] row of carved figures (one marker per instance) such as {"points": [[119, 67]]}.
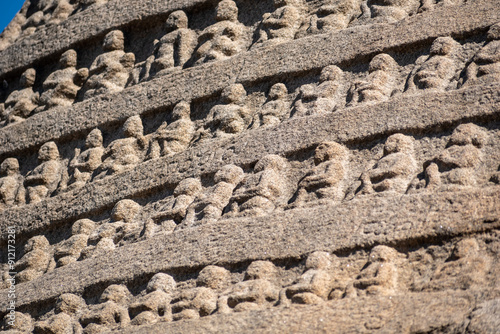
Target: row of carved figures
{"points": [[114, 69], [216, 292], [265, 188]]}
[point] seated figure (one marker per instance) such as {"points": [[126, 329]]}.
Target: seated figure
{"points": [[20, 104], [333, 15], [155, 305], [485, 66], [438, 69], [209, 206], [69, 250], [85, 163], [111, 313], [457, 164], [48, 176], [223, 39], [275, 109], [389, 11], [109, 72], [395, 170], [173, 137], [281, 25], [12, 190], [262, 191], [202, 300], [380, 83], [37, 260], [68, 308], [323, 98], [325, 180]]}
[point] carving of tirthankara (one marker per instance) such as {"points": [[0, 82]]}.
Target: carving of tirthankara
{"points": [[326, 166]]}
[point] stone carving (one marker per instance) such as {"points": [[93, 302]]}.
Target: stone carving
{"points": [[85, 163], [281, 25], [222, 39], [36, 261], [438, 69], [173, 137], [202, 300], [257, 291], [50, 175], [395, 170], [123, 154], [70, 250], [17, 323], [325, 180], [262, 191], [485, 66], [275, 109], [61, 86], [12, 190], [208, 207], [68, 308], [20, 103], [457, 163], [112, 311], [391, 10], [323, 98], [155, 305], [380, 83], [109, 72]]}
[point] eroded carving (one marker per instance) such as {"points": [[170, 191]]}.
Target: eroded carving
{"points": [[275, 109], [12, 190], [85, 163], [485, 66], [70, 250], [36, 261], [20, 104]]}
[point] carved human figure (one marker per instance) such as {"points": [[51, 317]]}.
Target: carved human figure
{"points": [[61, 86], [275, 109], [466, 269], [281, 25], [485, 66], [315, 284], [457, 164], [231, 117], [67, 310], [380, 83], [111, 313], [223, 39], [323, 98], [388, 11], [262, 191], [333, 15], [12, 190], [110, 71], [202, 300], [257, 291], [20, 104], [69, 250], [395, 170], [173, 137], [155, 305], [380, 277], [208, 207], [47, 176], [85, 163], [17, 323], [325, 180], [438, 69], [37, 260], [124, 153]]}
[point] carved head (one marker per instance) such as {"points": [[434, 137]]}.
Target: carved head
{"points": [[397, 143], [83, 226], [28, 78], [382, 62], [261, 270], [116, 293], [466, 134], [331, 73], [94, 139], [114, 40], [9, 166], [308, 91], [271, 161], [68, 59], [190, 187], [382, 254], [443, 46], [69, 303], [229, 173], [38, 242], [125, 210], [494, 32], [48, 151], [319, 261], [226, 11], [278, 91], [234, 94], [465, 248], [213, 277], [181, 110], [177, 20], [162, 282], [329, 151], [133, 127]]}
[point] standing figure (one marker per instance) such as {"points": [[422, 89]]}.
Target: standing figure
{"points": [[12, 190], [61, 86], [85, 163], [389, 11], [485, 66], [20, 104], [109, 72], [275, 109], [37, 260], [223, 39], [333, 15]]}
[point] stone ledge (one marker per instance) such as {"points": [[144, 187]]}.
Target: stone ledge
{"points": [[298, 56], [289, 234]]}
